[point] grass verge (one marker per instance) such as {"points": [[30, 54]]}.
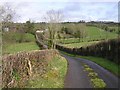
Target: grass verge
{"points": [[110, 66], [54, 76]]}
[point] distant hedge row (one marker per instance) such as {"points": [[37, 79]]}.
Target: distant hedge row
{"points": [[108, 49]]}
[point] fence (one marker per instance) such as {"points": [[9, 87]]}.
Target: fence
{"points": [[108, 49]]}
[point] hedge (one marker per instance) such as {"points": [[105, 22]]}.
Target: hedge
{"points": [[108, 49]]}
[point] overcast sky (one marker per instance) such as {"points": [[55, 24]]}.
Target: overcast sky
{"points": [[73, 10]]}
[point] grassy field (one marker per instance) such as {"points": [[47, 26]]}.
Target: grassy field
{"points": [[29, 37], [93, 34], [78, 45], [11, 44], [16, 47], [54, 78], [9, 37], [110, 66]]}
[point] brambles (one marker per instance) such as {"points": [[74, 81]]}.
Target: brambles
{"points": [[20, 67], [54, 75]]}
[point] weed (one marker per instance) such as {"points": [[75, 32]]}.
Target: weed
{"points": [[93, 75], [15, 74], [98, 83], [89, 69]]}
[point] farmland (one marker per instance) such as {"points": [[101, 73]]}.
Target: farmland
{"points": [[94, 35], [55, 71], [11, 44], [59, 45], [17, 47]]}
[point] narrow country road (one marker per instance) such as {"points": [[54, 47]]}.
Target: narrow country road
{"points": [[77, 78]]}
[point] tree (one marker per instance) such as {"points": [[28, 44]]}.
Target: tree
{"points": [[29, 27], [53, 19], [7, 14], [80, 31]]}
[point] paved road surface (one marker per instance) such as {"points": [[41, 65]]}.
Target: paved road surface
{"points": [[77, 78]]}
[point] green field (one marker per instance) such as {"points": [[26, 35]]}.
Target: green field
{"points": [[93, 34], [78, 45], [16, 47], [11, 44], [96, 33], [10, 37]]}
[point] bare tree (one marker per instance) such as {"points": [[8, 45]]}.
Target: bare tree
{"points": [[53, 19], [80, 31], [7, 14]]}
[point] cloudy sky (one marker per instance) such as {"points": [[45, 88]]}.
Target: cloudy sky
{"points": [[73, 10]]}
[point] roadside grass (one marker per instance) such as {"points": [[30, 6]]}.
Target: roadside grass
{"points": [[54, 77], [110, 66], [78, 45], [16, 47]]}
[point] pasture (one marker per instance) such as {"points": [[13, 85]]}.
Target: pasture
{"points": [[12, 43], [93, 34], [17, 47]]}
